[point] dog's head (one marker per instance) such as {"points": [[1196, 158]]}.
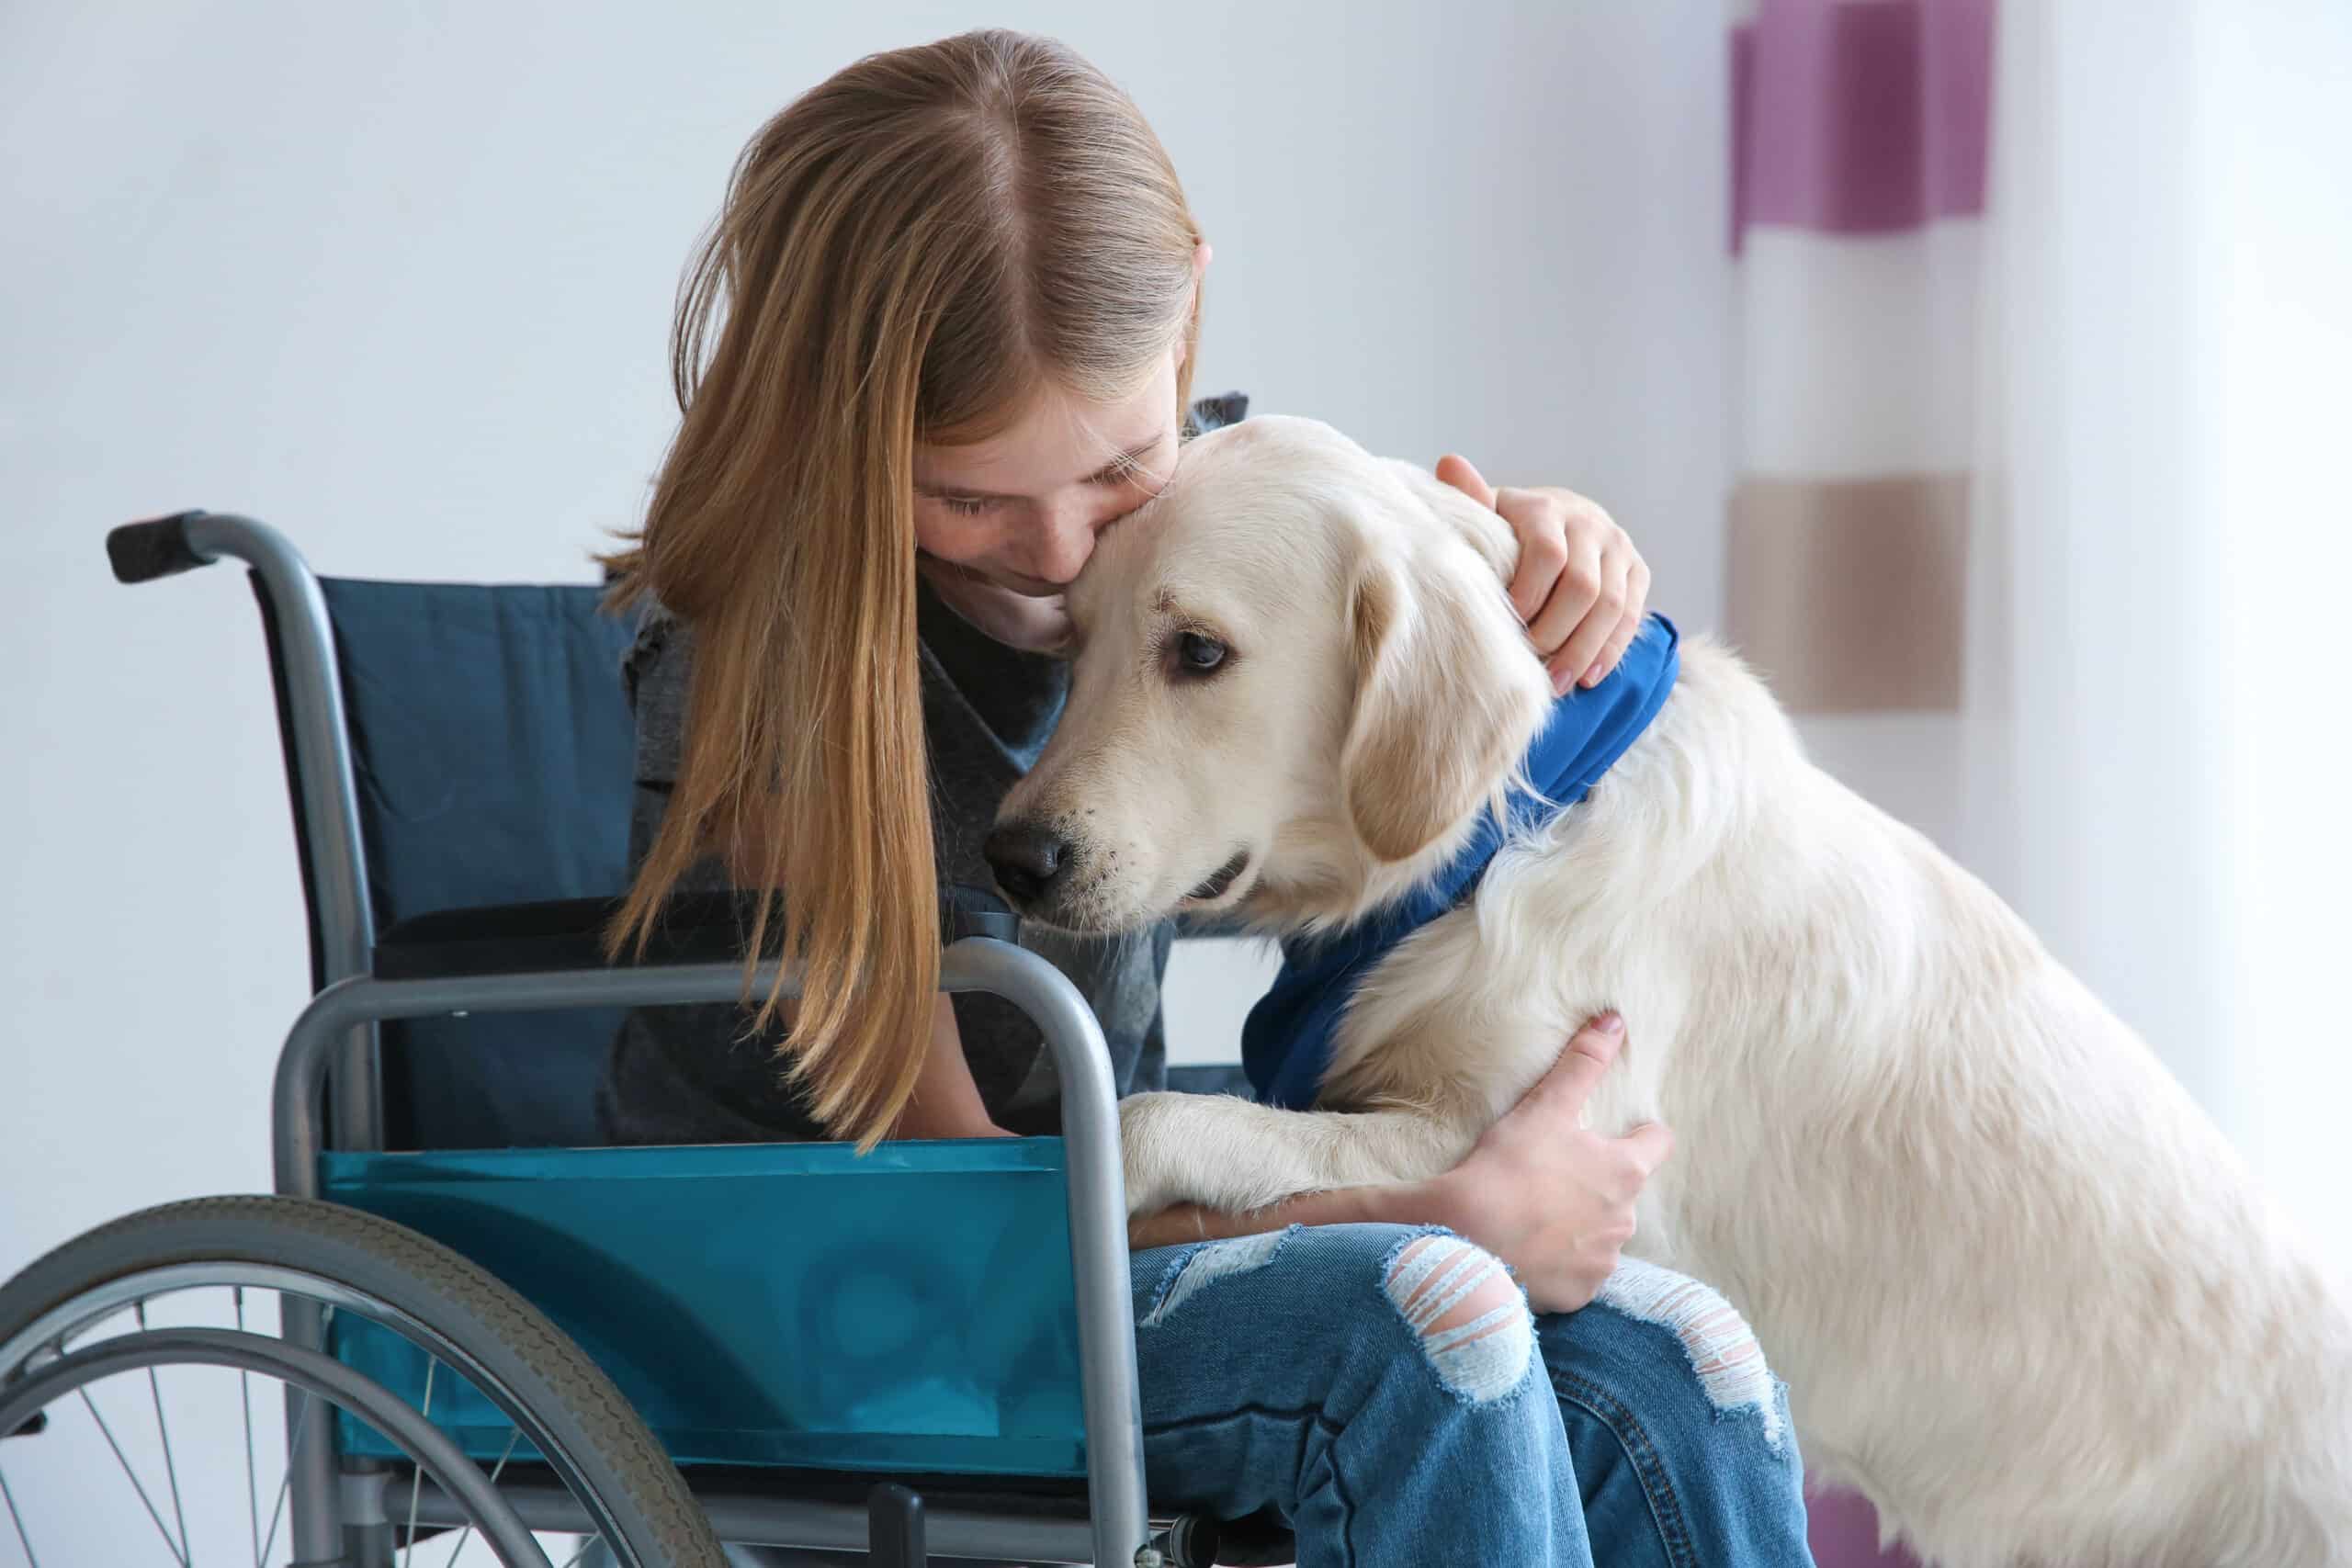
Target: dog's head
{"points": [[1298, 679]]}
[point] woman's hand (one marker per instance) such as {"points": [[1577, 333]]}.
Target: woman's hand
{"points": [[1581, 586], [1548, 1197]]}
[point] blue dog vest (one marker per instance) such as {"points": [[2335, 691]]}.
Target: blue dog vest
{"points": [[1287, 1044]]}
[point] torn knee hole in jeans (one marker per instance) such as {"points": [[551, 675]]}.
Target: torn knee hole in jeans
{"points": [[1466, 1313], [1721, 1348]]}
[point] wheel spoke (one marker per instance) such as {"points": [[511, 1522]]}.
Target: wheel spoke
{"points": [[119, 1459], [293, 1451], [495, 1472], [245, 1402], [416, 1476], [164, 1431], [573, 1561], [18, 1521]]}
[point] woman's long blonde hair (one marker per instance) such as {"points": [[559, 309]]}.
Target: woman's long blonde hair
{"points": [[907, 252]]}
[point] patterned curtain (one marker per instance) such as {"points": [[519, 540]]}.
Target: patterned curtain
{"points": [[1857, 191]]}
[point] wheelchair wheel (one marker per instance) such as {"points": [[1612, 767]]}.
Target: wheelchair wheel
{"points": [[200, 1284]]}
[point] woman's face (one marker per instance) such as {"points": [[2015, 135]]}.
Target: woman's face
{"points": [[1020, 510]]}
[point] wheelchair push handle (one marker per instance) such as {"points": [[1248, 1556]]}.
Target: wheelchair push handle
{"points": [[965, 910], [141, 552]]}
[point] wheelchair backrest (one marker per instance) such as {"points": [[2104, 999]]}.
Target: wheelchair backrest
{"points": [[491, 748]]}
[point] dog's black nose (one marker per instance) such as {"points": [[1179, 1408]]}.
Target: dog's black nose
{"points": [[1028, 858]]}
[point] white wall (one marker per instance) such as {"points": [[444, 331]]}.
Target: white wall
{"points": [[396, 278], [2274, 319]]}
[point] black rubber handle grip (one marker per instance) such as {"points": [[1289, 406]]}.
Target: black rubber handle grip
{"points": [[965, 910], [141, 552]]}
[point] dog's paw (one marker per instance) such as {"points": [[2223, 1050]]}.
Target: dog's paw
{"points": [[1169, 1143], [1148, 1142], [1218, 1150]]}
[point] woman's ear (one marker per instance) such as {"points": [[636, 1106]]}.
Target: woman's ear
{"points": [[1447, 695]]}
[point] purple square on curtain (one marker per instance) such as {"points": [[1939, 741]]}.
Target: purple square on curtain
{"points": [[1842, 1529], [1859, 117]]}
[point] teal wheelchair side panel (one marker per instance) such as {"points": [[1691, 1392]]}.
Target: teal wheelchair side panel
{"points": [[792, 1304]]}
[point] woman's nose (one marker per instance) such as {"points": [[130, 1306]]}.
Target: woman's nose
{"points": [[1068, 541]]}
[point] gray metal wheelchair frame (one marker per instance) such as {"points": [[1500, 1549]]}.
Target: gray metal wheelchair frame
{"points": [[332, 1046]]}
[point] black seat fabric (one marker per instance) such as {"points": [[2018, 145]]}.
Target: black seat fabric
{"points": [[492, 748]]}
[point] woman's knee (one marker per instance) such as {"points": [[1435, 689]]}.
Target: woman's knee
{"points": [[1468, 1319], [1424, 1303], [1676, 1428], [1659, 1341], [1358, 1296]]}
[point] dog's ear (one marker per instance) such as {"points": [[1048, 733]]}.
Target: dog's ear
{"points": [[1448, 694]]}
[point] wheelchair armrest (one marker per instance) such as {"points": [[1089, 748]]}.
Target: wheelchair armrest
{"points": [[561, 934]]}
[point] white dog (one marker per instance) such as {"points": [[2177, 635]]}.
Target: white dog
{"points": [[2025, 1295]]}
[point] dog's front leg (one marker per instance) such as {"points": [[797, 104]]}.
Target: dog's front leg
{"points": [[1235, 1155]]}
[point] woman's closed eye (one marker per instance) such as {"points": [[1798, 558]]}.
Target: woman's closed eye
{"points": [[1133, 469]]}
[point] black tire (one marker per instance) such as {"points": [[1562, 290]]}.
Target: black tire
{"points": [[654, 1516]]}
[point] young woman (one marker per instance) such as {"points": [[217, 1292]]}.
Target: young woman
{"points": [[942, 336]]}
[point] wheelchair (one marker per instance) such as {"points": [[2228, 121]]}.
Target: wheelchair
{"points": [[490, 1331]]}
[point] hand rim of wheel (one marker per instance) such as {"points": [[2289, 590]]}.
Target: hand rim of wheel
{"points": [[59, 1322], [319, 1375]]}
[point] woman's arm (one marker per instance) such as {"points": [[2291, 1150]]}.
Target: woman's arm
{"points": [[947, 1102], [1547, 1196], [1411, 1205]]}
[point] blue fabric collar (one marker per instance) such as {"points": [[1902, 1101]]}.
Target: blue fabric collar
{"points": [[1287, 1044]]}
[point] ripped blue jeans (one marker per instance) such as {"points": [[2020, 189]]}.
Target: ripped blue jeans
{"points": [[1386, 1390]]}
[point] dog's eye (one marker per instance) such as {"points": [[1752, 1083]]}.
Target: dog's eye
{"points": [[1197, 655]]}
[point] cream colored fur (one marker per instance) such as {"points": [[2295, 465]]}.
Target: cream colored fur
{"points": [[2025, 1295]]}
